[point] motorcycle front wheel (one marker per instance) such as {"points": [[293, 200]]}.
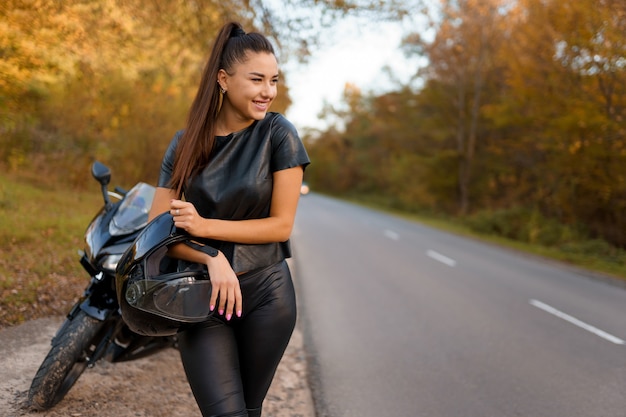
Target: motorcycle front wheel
{"points": [[70, 354]]}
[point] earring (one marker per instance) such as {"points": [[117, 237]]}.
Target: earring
{"points": [[220, 100]]}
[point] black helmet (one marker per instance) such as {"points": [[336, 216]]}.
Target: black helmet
{"points": [[157, 294]]}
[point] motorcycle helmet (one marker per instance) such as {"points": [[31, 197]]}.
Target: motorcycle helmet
{"points": [[159, 295]]}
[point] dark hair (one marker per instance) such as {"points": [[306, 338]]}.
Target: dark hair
{"points": [[194, 147]]}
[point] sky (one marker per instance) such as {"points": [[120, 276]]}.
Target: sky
{"points": [[357, 56]]}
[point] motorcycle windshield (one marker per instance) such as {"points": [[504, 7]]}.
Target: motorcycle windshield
{"points": [[132, 214]]}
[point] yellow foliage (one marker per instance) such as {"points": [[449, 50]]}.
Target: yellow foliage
{"points": [[17, 158], [575, 147], [51, 42]]}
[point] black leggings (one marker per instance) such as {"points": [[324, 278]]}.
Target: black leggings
{"points": [[230, 365]]}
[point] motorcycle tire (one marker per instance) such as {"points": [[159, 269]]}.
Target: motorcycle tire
{"points": [[69, 356]]}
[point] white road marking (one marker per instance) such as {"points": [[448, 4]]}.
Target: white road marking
{"points": [[392, 235], [441, 258], [576, 322]]}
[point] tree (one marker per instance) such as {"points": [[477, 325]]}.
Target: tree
{"points": [[461, 58], [563, 111], [79, 78], [522, 106]]}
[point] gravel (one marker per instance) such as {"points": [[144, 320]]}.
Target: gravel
{"points": [[150, 387]]}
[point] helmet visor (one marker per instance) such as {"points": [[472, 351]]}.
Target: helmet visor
{"points": [[185, 298]]}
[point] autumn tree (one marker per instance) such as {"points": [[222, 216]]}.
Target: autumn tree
{"points": [[112, 79], [463, 69], [561, 115], [519, 120], [79, 77]]}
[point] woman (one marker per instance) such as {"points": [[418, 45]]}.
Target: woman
{"points": [[239, 168]]}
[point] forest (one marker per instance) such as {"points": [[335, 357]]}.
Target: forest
{"points": [[517, 126], [514, 123]]}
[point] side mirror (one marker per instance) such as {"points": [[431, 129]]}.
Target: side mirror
{"points": [[101, 173]]}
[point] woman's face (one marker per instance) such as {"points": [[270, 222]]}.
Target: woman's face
{"points": [[251, 87]]}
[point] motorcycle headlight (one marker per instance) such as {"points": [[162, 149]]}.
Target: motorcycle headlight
{"points": [[109, 262]]}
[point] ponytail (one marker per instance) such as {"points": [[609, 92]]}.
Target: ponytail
{"points": [[196, 143]]}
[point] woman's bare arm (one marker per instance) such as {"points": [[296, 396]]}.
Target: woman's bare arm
{"points": [[161, 202]]}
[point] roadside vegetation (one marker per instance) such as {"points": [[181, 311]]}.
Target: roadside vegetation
{"points": [[41, 230], [514, 128]]}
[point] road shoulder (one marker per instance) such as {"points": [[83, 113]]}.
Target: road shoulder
{"points": [[150, 387]]}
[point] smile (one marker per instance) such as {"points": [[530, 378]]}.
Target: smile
{"points": [[261, 104]]}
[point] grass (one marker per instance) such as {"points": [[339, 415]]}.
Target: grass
{"points": [[41, 231]]}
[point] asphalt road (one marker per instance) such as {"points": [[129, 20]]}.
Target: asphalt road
{"points": [[403, 320]]}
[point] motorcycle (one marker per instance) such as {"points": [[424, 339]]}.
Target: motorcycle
{"points": [[94, 329]]}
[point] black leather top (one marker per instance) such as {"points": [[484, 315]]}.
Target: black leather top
{"points": [[237, 183]]}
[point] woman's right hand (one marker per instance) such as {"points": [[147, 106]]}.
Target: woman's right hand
{"points": [[225, 287]]}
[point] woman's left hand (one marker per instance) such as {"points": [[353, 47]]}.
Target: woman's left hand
{"points": [[186, 217]]}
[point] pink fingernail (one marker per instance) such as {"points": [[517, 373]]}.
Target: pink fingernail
{"points": [[221, 312], [228, 316], [211, 308], [239, 313]]}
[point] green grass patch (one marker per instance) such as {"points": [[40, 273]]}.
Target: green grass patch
{"points": [[41, 231]]}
